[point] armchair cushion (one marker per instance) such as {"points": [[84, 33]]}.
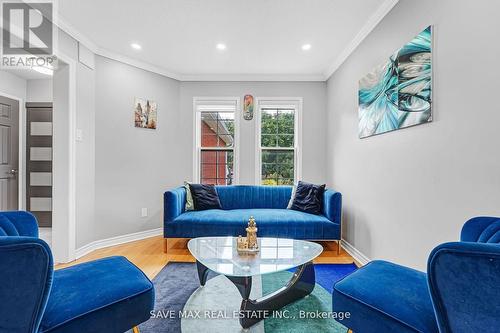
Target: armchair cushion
{"points": [[18, 223], [7, 228], [86, 296], [385, 297], [481, 229]]}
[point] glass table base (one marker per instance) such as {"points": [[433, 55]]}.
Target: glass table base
{"points": [[252, 311]]}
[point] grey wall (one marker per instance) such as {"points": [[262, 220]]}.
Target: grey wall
{"points": [[85, 149], [313, 125], [85, 156], [12, 85], [133, 166], [407, 191], [60, 157], [39, 90]]}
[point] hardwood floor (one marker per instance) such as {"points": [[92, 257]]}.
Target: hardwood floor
{"points": [[148, 254]]}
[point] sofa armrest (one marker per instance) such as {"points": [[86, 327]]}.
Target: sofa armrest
{"points": [[481, 229], [20, 222], [174, 202], [332, 206]]}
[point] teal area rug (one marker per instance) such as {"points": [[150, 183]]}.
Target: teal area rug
{"points": [[182, 306], [305, 314]]}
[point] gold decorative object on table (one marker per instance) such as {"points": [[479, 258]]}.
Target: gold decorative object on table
{"points": [[249, 243]]}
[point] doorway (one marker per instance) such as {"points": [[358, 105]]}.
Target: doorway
{"points": [[39, 163], [62, 235], [9, 154]]}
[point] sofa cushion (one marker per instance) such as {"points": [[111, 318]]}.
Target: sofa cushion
{"points": [[250, 196], [204, 197], [189, 198], [84, 298], [385, 297], [282, 223], [308, 198]]}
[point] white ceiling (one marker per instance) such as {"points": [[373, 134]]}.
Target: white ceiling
{"points": [[27, 74], [263, 37]]}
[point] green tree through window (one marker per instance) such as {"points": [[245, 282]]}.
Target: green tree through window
{"points": [[278, 146]]}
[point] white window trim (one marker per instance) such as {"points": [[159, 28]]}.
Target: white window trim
{"points": [[197, 135], [282, 102]]}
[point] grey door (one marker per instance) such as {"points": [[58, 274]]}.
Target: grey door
{"points": [[39, 162], [9, 149]]}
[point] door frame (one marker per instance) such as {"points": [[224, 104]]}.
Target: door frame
{"points": [[21, 179], [64, 220], [65, 249]]}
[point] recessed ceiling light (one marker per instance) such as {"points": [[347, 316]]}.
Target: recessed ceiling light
{"points": [[306, 47], [135, 46], [221, 46]]}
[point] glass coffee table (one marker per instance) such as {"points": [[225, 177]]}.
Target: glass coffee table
{"points": [[219, 254]]}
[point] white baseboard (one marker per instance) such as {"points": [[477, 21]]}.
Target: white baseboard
{"points": [[355, 253], [86, 249]]}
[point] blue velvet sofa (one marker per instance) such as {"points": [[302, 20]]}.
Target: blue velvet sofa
{"points": [[459, 294], [267, 204], [109, 295]]}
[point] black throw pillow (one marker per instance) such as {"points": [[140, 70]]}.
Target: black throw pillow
{"points": [[204, 197], [308, 198]]}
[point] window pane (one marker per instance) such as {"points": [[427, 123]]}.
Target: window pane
{"points": [[269, 181], [285, 140], [269, 121], [227, 124], [285, 171], [277, 167], [209, 140], [268, 157], [277, 131], [225, 140], [269, 170], [209, 181], [284, 157], [208, 156], [286, 122], [277, 128], [269, 140], [217, 167], [285, 181], [217, 129]]}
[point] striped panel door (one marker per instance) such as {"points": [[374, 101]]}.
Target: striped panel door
{"points": [[39, 162]]}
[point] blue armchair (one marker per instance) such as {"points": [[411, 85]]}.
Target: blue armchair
{"points": [[459, 294], [107, 295]]}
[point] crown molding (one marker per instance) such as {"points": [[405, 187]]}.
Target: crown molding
{"points": [[254, 77], [81, 38], [63, 24], [138, 63], [367, 28]]}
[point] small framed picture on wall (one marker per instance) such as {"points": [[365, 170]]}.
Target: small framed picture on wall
{"points": [[145, 113]]}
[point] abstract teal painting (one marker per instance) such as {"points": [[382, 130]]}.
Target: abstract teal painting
{"points": [[398, 94]]}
